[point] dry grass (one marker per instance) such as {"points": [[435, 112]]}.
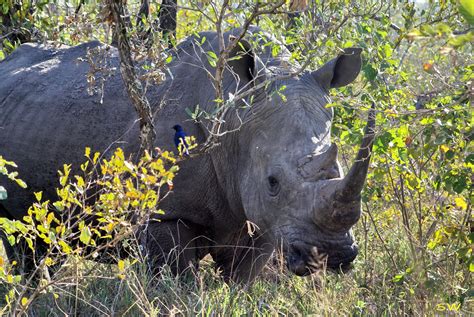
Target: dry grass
{"points": [[91, 289]]}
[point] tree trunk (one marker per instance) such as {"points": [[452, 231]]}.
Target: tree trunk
{"points": [[132, 83]]}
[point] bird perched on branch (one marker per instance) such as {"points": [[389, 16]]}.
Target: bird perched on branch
{"points": [[180, 140]]}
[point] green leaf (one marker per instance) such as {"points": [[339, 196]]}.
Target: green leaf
{"points": [[330, 44], [85, 236], [459, 185], [460, 40], [38, 195], [21, 183], [348, 44], [275, 50], [397, 278], [387, 49], [5, 8], [212, 58], [370, 72], [466, 8]]}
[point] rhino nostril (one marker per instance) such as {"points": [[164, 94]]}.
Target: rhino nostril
{"points": [[296, 260], [300, 250], [304, 259], [297, 265]]}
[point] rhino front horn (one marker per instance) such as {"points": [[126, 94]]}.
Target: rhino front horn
{"points": [[351, 186]]}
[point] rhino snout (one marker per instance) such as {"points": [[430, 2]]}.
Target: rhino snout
{"points": [[303, 259]]}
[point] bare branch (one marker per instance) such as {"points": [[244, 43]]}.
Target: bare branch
{"points": [[258, 10], [392, 25]]}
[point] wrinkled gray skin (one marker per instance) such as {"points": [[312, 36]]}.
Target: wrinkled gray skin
{"points": [[279, 171]]}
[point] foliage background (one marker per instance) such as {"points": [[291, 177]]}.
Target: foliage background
{"points": [[416, 232]]}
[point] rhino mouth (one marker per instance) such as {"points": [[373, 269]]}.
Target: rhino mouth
{"points": [[304, 259]]}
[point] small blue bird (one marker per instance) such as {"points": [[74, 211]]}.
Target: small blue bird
{"points": [[180, 140]]}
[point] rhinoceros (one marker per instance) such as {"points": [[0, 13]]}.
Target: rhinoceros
{"points": [[276, 169]]}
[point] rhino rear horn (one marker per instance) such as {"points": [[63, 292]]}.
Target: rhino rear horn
{"points": [[341, 70], [242, 60]]}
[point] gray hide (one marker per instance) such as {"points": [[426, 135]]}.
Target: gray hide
{"points": [[278, 171]]}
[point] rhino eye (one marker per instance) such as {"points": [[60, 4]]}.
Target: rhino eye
{"points": [[273, 185]]}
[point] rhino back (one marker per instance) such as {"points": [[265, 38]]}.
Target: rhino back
{"points": [[47, 118]]}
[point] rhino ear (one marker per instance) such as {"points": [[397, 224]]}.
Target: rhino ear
{"points": [[341, 70], [242, 60]]}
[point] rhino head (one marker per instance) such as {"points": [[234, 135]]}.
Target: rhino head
{"points": [[290, 182]]}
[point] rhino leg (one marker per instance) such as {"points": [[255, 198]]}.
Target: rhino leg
{"points": [[243, 261], [174, 243]]}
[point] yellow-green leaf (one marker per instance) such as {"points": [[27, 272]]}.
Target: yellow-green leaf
{"points": [[85, 236], [460, 202], [121, 265], [65, 247], [48, 261], [21, 183], [96, 157], [466, 8], [38, 195]]}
